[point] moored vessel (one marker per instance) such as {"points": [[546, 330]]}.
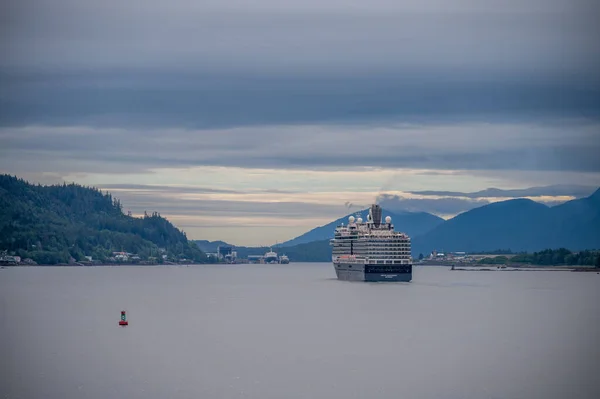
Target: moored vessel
{"points": [[271, 257], [371, 250]]}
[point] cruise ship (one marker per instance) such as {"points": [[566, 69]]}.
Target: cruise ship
{"points": [[371, 250]]}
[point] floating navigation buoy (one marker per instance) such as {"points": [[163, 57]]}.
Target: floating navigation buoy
{"points": [[123, 321]]}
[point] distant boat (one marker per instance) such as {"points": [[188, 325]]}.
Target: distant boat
{"points": [[8, 260], [284, 260], [271, 257]]}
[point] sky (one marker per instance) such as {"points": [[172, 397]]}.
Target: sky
{"points": [[255, 121]]}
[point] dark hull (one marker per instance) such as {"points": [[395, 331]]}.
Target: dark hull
{"points": [[378, 277], [373, 273]]}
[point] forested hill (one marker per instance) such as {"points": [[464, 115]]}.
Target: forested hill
{"points": [[66, 223]]}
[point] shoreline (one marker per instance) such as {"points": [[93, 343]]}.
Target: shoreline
{"points": [[451, 267], [511, 267], [528, 269]]}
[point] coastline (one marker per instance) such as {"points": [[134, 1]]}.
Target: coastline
{"points": [[451, 267], [463, 266], [558, 268]]}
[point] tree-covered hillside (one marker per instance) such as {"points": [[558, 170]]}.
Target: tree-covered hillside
{"points": [[550, 257], [62, 223]]}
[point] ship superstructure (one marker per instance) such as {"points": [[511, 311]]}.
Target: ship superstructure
{"points": [[371, 250]]}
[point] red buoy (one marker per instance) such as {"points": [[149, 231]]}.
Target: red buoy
{"points": [[123, 321]]}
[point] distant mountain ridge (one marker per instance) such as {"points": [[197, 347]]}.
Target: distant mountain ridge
{"points": [[519, 224], [412, 223]]}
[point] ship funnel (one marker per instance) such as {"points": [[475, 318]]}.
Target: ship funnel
{"points": [[375, 213]]}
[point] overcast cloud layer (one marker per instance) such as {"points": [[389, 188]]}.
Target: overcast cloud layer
{"points": [[480, 146], [205, 108], [210, 64]]}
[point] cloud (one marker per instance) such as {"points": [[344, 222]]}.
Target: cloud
{"points": [[203, 100], [467, 146], [315, 35], [226, 210], [147, 188], [576, 191], [184, 191], [444, 207], [212, 64]]}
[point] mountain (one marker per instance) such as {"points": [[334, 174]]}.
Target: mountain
{"points": [[578, 223], [519, 224], [412, 223], [62, 223], [211, 246], [510, 224], [316, 251]]}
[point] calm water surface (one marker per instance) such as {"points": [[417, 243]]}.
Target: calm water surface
{"points": [[294, 331]]}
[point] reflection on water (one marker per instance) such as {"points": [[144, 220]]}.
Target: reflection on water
{"points": [[294, 331]]}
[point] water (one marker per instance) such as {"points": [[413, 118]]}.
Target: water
{"points": [[293, 331]]}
